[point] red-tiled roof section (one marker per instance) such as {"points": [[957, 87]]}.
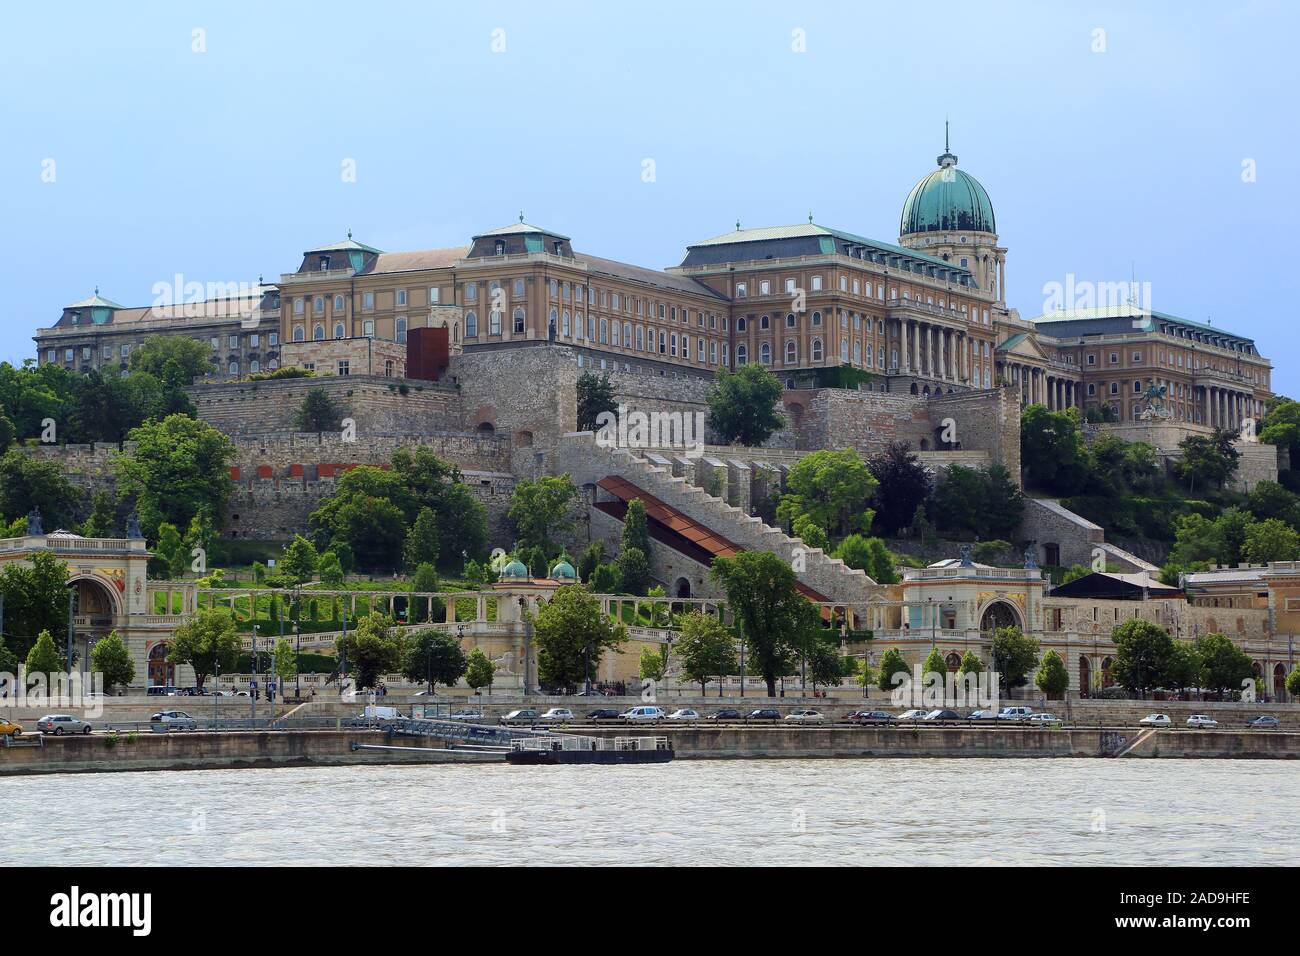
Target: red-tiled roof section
{"points": [[673, 520]]}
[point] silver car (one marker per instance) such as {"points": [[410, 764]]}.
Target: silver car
{"points": [[60, 724], [175, 720]]}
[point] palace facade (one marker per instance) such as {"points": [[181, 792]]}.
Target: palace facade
{"points": [[925, 316]]}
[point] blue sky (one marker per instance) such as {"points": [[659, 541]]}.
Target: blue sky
{"points": [[227, 163]]}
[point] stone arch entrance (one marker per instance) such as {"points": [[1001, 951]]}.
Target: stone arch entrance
{"points": [[97, 599], [998, 614], [1279, 681], [1107, 677], [162, 673], [1085, 676], [682, 588]]}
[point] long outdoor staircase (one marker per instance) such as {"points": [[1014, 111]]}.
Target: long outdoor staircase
{"points": [[588, 463]]}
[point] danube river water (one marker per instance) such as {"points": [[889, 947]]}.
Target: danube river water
{"points": [[899, 811]]}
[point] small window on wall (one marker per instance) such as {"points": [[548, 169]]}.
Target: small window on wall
{"points": [[765, 353], [298, 334], [232, 368], [368, 328], [254, 366], [368, 301], [519, 321], [401, 330], [345, 367], [433, 294], [339, 331], [471, 325], [494, 322], [318, 333], [742, 355], [816, 350]]}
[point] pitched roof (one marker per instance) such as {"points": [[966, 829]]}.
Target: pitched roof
{"points": [[811, 229], [347, 245], [1135, 314], [415, 261], [516, 228], [96, 301], [666, 280]]}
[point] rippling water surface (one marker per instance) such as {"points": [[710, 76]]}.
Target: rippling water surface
{"points": [[913, 811]]}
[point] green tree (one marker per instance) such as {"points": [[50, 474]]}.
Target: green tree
{"points": [[934, 664], [539, 510], [633, 571], [1052, 451], [1208, 459], [706, 649], [330, 569], [102, 522], [1271, 540], [206, 641], [636, 534], [422, 541], [891, 664], [300, 560], [7, 431], [1052, 678], [977, 503], [426, 582], [652, 663], [1281, 427], [869, 555], [604, 579], [170, 557], [1293, 682], [903, 485], [572, 634], [825, 666], [1268, 499], [1014, 654], [284, 663], [772, 614], [318, 413], [479, 671], [434, 657], [742, 405], [36, 599], [1223, 664], [179, 468], [1143, 653], [373, 648], [27, 483], [970, 664], [44, 657], [832, 488], [173, 359], [592, 557], [595, 396], [1184, 668]]}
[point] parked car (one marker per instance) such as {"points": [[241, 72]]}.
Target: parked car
{"points": [[60, 724], [9, 728], [605, 713], [468, 715], [524, 715], [1264, 722], [805, 717], [557, 714], [983, 715], [764, 713], [911, 715], [1155, 720], [1015, 713], [942, 716], [175, 720], [639, 715], [1044, 720], [1202, 722], [162, 691], [726, 713], [684, 713], [870, 717]]}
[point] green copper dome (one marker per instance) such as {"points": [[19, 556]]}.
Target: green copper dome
{"points": [[564, 571], [948, 200], [515, 571]]}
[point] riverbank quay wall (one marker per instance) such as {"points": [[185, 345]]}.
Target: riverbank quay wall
{"points": [[99, 753], [199, 750]]}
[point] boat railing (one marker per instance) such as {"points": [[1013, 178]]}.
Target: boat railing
{"points": [[579, 742]]}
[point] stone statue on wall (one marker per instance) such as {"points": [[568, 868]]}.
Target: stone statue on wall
{"points": [[133, 526], [505, 663], [966, 561], [34, 525], [1031, 555]]}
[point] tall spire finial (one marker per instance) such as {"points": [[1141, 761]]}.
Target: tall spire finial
{"points": [[349, 233], [521, 215], [737, 224], [946, 147], [97, 289], [810, 217], [947, 160]]}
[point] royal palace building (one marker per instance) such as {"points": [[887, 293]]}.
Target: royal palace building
{"points": [[925, 316]]}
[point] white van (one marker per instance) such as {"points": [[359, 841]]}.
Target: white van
{"points": [[1015, 713], [643, 714]]}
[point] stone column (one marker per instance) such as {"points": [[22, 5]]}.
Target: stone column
{"points": [[916, 348], [943, 352], [906, 347]]}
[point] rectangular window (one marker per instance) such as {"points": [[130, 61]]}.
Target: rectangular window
{"points": [[344, 368], [816, 283], [339, 305], [299, 305], [233, 342], [765, 287], [367, 301], [318, 304], [401, 297], [216, 342], [273, 338], [254, 340], [741, 289]]}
